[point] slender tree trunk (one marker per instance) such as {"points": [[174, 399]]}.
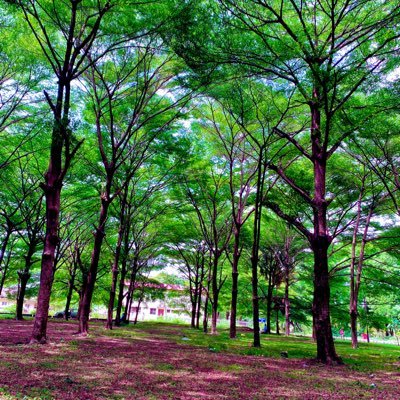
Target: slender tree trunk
{"points": [[120, 253], [255, 249], [24, 277], [353, 287], [356, 281], [71, 284], [81, 292], [206, 301], [137, 309], [132, 281], [269, 302], [198, 307], [193, 313], [121, 295], [215, 295], [193, 300], [111, 302], [92, 273], [115, 271], [287, 303], [235, 285], [201, 280], [278, 332]]}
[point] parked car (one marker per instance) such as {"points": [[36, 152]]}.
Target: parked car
{"points": [[73, 313]]}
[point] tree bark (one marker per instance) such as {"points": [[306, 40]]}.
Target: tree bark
{"points": [[256, 246], [215, 295], [207, 299], [287, 303], [269, 302], [323, 330], [132, 281], [235, 284], [94, 264], [121, 295], [24, 277], [52, 190], [320, 243], [111, 302], [277, 322], [71, 283]]}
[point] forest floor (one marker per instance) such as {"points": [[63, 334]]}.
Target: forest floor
{"points": [[167, 361]]}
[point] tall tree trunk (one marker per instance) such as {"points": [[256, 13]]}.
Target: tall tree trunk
{"points": [[353, 287], [215, 295], [198, 307], [67, 307], [131, 288], [235, 285], [201, 287], [113, 291], [270, 291], [320, 243], [356, 280], [94, 263], [256, 246], [121, 295], [206, 301], [52, 191], [71, 282], [193, 313], [115, 271], [121, 254], [193, 301], [287, 304]]}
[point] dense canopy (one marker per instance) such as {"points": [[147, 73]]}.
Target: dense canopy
{"points": [[245, 150]]}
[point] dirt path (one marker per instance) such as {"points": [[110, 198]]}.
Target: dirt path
{"points": [[153, 367]]}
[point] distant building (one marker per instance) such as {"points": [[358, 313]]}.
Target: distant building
{"points": [[173, 303], [8, 302]]}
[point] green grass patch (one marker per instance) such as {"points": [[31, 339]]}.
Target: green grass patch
{"points": [[47, 365], [368, 357], [163, 367]]}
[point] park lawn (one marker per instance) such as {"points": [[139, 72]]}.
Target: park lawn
{"points": [[171, 361]]}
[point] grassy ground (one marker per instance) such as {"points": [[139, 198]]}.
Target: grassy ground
{"points": [[170, 361]]}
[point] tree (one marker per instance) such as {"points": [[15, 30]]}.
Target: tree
{"points": [[205, 196], [65, 35], [129, 115], [272, 272], [237, 151], [325, 53]]}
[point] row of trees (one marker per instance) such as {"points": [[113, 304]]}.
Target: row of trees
{"points": [[183, 137]]}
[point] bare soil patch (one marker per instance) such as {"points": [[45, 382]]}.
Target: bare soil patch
{"points": [[152, 366]]}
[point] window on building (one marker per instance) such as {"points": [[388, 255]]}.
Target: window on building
{"points": [[153, 311]]}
